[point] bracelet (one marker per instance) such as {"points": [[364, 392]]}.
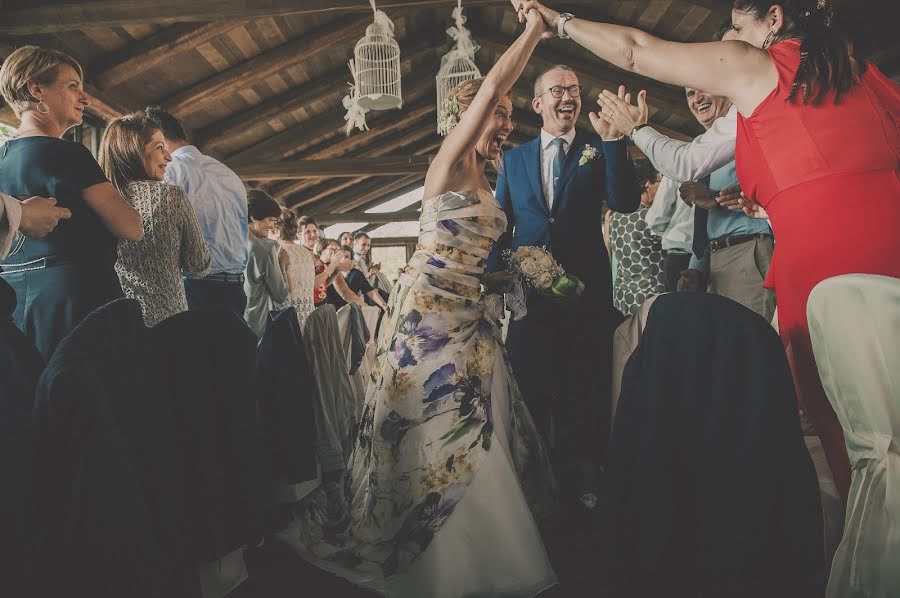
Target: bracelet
{"points": [[637, 128]]}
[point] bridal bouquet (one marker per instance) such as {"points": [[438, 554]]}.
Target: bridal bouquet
{"points": [[535, 268]]}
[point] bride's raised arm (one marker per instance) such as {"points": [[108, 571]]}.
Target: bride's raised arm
{"points": [[497, 83], [734, 69]]}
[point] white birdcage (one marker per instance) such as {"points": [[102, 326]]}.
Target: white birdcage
{"points": [[457, 65], [376, 72]]}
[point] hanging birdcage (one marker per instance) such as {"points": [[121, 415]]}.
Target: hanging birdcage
{"points": [[376, 72], [457, 65]]}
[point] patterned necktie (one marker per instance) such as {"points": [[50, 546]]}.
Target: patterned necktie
{"points": [[559, 142]]}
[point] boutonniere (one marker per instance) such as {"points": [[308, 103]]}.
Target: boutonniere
{"points": [[588, 154]]}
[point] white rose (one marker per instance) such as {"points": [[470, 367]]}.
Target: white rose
{"points": [[544, 281], [529, 267], [544, 261]]}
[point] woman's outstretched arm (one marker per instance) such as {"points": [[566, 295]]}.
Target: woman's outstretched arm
{"points": [[733, 69]]}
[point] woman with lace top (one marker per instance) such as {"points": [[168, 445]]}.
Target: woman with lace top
{"points": [[133, 156], [301, 266]]}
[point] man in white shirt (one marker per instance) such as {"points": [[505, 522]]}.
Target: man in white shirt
{"points": [[219, 199], [673, 221]]}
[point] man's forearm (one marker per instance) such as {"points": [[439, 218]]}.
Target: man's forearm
{"points": [[685, 161]]}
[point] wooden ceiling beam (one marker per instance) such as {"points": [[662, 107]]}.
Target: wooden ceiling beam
{"points": [[327, 86], [143, 55], [265, 65], [372, 188], [338, 167], [322, 193], [330, 124], [69, 16], [404, 138]]}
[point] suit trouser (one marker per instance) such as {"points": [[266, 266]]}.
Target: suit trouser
{"points": [[561, 356], [738, 272]]}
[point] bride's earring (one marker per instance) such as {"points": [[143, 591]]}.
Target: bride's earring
{"points": [[46, 109], [769, 38]]}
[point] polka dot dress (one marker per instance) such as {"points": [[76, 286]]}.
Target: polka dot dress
{"points": [[640, 261]]}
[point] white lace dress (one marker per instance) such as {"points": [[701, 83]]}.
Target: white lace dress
{"points": [[301, 272]]}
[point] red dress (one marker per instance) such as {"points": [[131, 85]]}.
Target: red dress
{"points": [[828, 177]]}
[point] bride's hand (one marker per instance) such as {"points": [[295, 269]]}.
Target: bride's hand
{"points": [[549, 16]]}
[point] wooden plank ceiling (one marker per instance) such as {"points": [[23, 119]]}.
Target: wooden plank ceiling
{"points": [[259, 85]]}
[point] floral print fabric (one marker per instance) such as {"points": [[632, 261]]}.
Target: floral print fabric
{"points": [[427, 422]]}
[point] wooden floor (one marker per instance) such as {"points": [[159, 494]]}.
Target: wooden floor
{"points": [[574, 544]]}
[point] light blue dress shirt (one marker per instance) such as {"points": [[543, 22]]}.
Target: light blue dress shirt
{"points": [[725, 223], [219, 199]]}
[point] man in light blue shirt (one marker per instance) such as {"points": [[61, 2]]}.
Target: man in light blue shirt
{"points": [[219, 199]]}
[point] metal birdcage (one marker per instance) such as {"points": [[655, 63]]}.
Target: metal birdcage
{"points": [[376, 72], [457, 65]]}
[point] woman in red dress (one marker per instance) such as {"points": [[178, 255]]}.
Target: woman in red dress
{"points": [[817, 147]]}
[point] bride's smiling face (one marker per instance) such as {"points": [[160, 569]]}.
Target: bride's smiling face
{"points": [[496, 131]]}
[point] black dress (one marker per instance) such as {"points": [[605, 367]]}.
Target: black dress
{"points": [[64, 276]]}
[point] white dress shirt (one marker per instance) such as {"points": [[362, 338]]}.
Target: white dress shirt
{"points": [[10, 217], [548, 154], [219, 199], [686, 161], [670, 218]]}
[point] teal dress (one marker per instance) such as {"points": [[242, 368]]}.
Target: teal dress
{"points": [[62, 277]]}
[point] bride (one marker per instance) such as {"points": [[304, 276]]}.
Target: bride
{"points": [[447, 468]]}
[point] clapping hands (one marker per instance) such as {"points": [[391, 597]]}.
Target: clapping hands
{"points": [[618, 111]]}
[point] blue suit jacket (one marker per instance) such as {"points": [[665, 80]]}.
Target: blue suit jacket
{"points": [[572, 230]]}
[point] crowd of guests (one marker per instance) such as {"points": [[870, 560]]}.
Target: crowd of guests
{"points": [[794, 130]]}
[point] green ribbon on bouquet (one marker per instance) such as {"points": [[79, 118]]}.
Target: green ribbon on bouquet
{"points": [[567, 286]]}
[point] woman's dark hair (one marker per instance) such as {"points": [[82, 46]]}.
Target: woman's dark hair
{"points": [[260, 205], [824, 59], [287, 225], [644, 173], [304, 220], [169, 125], [323, 244]]}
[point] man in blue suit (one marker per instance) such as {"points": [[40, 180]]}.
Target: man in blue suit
{"points": [[552, 190]]}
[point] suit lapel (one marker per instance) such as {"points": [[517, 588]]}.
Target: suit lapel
{"points": [[568, 168], [533, 167]]}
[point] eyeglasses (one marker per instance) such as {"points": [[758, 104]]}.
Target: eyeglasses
{"points": [[557, 91]]}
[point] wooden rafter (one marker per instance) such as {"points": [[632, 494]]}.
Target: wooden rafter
{"points": [[260, 67], [328, 125], [338, 167], [329, 85], [147, 53], [113, 13]]}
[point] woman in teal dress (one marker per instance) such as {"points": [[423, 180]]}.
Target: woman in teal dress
{"points": [[448, 472]]}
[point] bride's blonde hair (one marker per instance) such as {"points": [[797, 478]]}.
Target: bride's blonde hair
{"points": [[462, 96]]}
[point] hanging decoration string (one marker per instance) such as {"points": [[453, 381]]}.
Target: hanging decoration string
{"points": [[356, 114]]}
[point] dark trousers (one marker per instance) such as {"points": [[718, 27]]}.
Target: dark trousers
{"points": [[561, 358], [202, 293], [673, 265]]}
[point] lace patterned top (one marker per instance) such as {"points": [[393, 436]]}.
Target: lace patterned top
{"points": [[301, 271], [150, 270]]}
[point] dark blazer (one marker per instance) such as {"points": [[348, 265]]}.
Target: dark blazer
{"points": [[572, 229]]}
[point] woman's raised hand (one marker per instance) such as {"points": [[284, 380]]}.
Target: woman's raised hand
{"points": [[548, 15], [617, 110]]}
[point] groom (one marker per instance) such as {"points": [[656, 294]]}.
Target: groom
{"points": [[552, 190]]}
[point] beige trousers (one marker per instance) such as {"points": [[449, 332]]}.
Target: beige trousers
{"points": [[738, 272]]}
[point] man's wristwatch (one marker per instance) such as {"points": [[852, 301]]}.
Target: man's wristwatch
{"points": [[561, 24], [637, 128]]}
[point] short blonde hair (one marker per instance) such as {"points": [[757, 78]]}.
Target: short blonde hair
{"points": [[31, 64], [121, 153]]}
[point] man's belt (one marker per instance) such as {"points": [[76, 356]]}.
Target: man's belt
{"points": [[724, 242], [224, 277]]}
